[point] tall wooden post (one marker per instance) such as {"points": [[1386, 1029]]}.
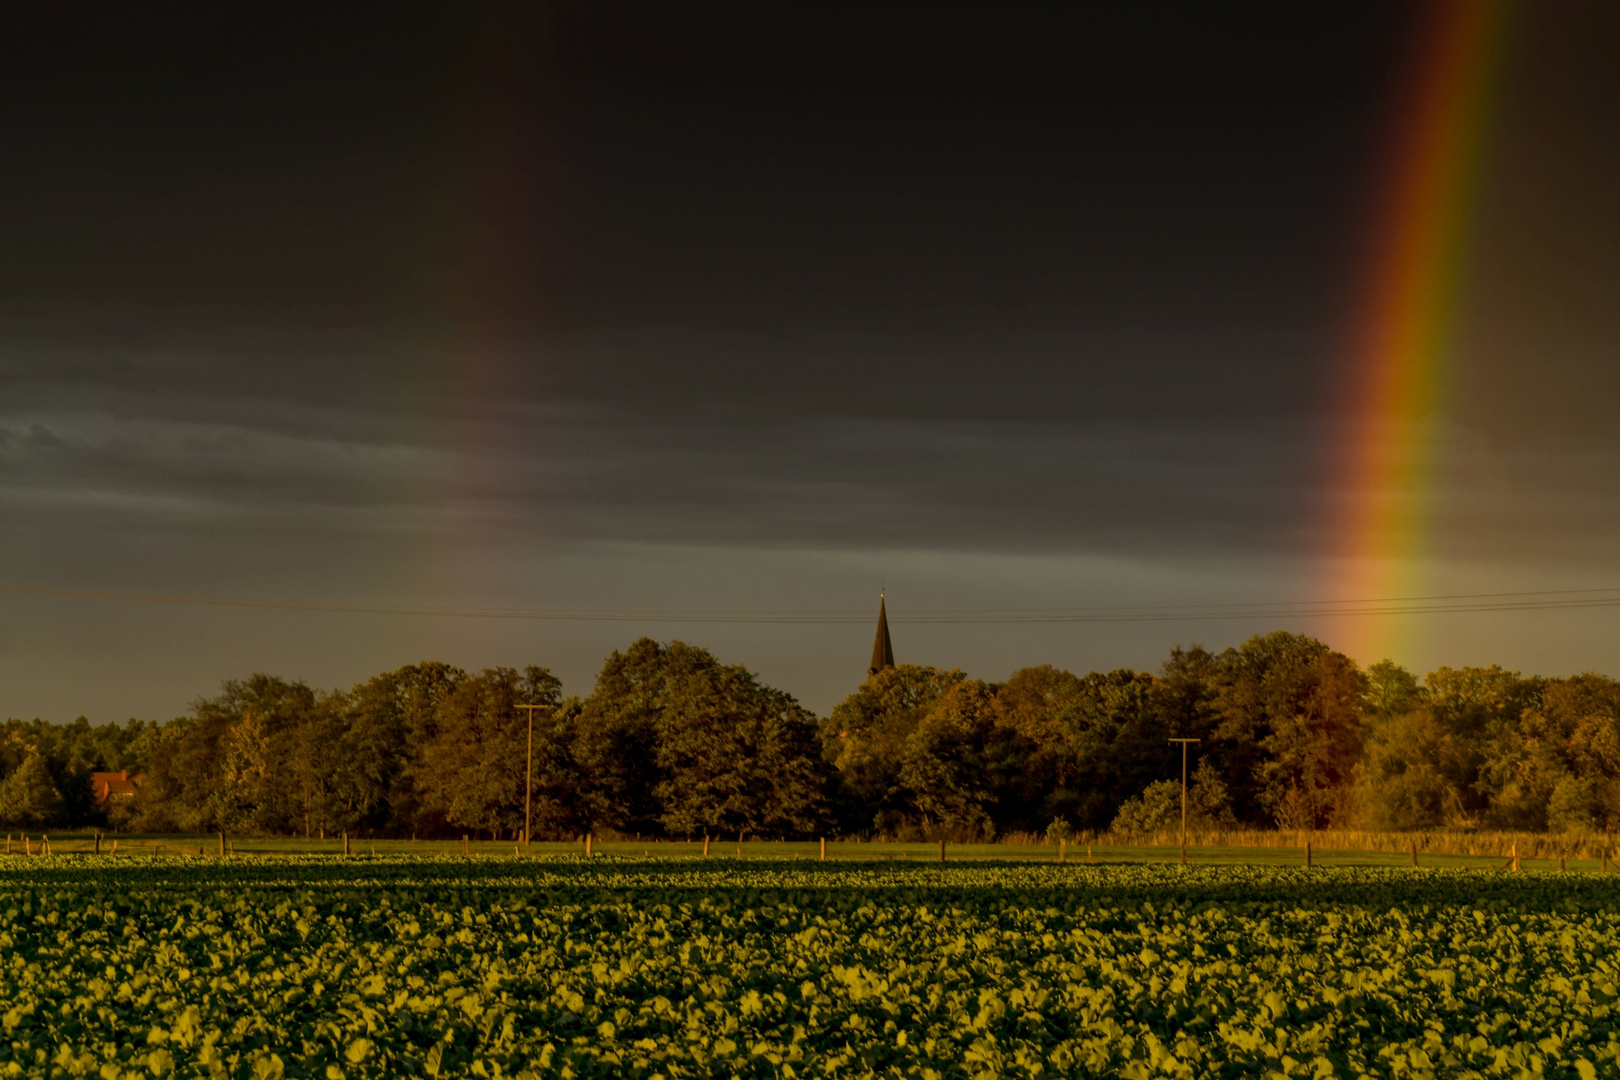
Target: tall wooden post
{"points": [[1184, 743], [705, 845], [528, 773], [823, 849], [942, 851]]}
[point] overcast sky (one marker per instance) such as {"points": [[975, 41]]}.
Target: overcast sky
{"points": [[757, 307]]}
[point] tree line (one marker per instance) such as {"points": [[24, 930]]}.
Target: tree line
{"points": [[673, 742]]}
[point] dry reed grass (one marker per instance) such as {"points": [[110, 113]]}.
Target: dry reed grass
{"points": [[1530, 845]]}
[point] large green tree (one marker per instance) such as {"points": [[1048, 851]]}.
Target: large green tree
{"points": [[388, 720], [674, 740], [472, 769], [734, 755], [1291, 726], [1118, 740], [1558, 765], [1415, 770], [950, 770], [251, 758], [272, 740], [1481, 710], [617, 743], [28, 797], [865, 737], [1034, 704]]}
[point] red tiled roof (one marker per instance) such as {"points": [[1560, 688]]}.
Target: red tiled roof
{"points": [[113, 785]]}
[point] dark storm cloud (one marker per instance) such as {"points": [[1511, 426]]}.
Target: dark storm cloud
{"points": [[969, 277], [750, 306], [729, 467], [814, 166]]}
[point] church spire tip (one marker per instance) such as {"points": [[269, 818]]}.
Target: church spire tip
{"points": [[882, 648]]}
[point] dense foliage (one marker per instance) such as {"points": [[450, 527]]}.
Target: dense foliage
{"points": [[673, 742], [401, 967]]}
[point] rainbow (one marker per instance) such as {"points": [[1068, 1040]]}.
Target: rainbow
{"points": [[489, 220], [1399, 355]]}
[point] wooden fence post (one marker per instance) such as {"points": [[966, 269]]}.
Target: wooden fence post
{"points": [[98, 842], [587, 844], [823, 849], [942, 851], [1414, 853], [1515, 854], [1307, 854], [705, 845], [465, 849]]}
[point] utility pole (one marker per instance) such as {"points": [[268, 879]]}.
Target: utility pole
{"points": [[528, 772], [1184, 743]]}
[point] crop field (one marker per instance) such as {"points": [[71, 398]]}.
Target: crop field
{"points": [[443, 966]]}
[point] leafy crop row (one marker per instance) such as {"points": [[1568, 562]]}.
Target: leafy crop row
{"points": [[440, 967]]}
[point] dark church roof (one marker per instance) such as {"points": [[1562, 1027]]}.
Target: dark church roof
{"points": [[882, 648]]}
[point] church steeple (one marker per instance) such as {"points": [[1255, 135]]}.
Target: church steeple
{"points": [[882, 648]]}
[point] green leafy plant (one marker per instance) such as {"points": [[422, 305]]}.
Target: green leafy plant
{"points": [[373, 967]]}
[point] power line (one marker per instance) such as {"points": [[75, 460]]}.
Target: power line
{"points": [[1544, 600]]}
